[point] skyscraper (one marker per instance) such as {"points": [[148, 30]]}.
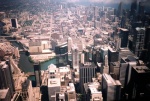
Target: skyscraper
{"points": [[138, 41], [111, 89], [124, 33], [141, 8], [37, 71], [69, 42], [75, 57], [6, 80], [87, 72], [120, 10], [133, 7]]}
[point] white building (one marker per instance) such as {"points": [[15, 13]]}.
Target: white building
{"points": [[53, 87]]}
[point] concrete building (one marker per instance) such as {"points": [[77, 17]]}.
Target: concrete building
{"points": [[91, 91], [6, 78], [27, 91], [126, 64], [71, 93], [138, 41], [5, 95], [53, 87], [69, 42], [111, 89], [37, 71], [87, 72], [75, 57]]}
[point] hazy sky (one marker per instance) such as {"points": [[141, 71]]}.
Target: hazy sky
{"points": [[105, 1]]}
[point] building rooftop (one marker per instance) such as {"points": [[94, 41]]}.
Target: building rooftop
{"points": [[141, 69], [3, 93], [55, 82]]}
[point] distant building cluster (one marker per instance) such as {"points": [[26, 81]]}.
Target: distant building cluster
{"points": [[102, 53]]}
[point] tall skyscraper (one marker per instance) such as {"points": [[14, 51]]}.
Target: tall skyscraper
{"points": [[133, 7], [6, 80], [124, 33], [106, 67], [120, 10], [138, 41], [37, 71], [69, 42], [141, 8], [75, 57], [87, 72], [111, 89]]}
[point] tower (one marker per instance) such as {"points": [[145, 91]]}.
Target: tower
{"points": [[87, 72], [69, 42], [75, 57], [120, 10], [6, 80], [37, 71]]}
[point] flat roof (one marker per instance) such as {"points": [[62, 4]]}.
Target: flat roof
{"points": [[3, 93], [55, 82], [141, 69]]}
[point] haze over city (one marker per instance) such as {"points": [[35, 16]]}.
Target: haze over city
{"points": [[74, 50]]}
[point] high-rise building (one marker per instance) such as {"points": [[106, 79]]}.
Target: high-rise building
{"points": [[124, 33], [6, 80], [37, 71], [113, 56], [61, 49], [138, 88], [126, 64], [75, 57], [53, 87], [111, 89], [14, 23], [106, 66], [120, 9], [133, 7], [138, 41], [69, 41], [141, 8], [87, 72], [5, 95]]}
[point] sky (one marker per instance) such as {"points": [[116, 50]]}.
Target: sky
{"points": [[106, 1]]}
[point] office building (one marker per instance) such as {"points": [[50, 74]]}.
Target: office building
{"points": [[87, 72], [111, 89], [14, 23], [61, 50], [123, 35], [141, 9], [113, 55], [120, 10], [27, 91], [5, 95], [126, 64], [138, 88], [69, 42], [6, 77], [75, 57], [133, 7], [53, 87], [91, 91], [138, 41], [114, 70], [37, 71], [105, 65]]}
